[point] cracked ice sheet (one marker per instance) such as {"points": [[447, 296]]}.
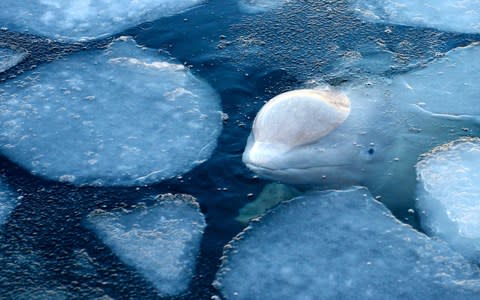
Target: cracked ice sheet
{"points": [[447, 15], [83, 20], [160, 241], [340, 245], [122, 116]]}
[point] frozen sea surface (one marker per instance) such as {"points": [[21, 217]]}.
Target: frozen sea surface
{"points": [[448, 195], [161, 242], [83, 20], [340, 245], [447, 15], [120, 116], [10, 57]]}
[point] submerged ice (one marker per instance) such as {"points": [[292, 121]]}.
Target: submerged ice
{"points": [[448, 195], [8, 201], [10, 57], [340, 245], [160, 241], [255, 6], [121, 116], [81, 20], [447, 15]]}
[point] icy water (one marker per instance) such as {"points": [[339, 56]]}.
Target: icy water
{"points": [[247, 58]]}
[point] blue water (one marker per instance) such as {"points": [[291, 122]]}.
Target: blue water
{"points": [[247, 59]]}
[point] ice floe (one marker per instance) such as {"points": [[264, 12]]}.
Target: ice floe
{"points": [[83, 20], [448, 194], [160, 241], [10, 57], [256, 6], [120, 116], [340, 245], [8, 201], [447, 15]]}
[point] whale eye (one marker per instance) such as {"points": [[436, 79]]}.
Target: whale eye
{"points": [[371, 151]]}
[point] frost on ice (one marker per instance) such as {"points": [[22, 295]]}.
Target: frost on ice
{"points": [[340, 245], [160, 241], [10, 57], [121, 116], [83, 20], [256, 6], [448, 195], [446, 15], [8, 201]]}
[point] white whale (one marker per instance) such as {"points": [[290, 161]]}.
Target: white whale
{"points": [[370, 134]]}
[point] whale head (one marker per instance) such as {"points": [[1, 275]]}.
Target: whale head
{"points": [[313, 136]]}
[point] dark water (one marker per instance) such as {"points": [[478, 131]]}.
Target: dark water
{"points": [[248, 59]]}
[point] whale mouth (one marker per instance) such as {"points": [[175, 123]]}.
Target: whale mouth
{"points": [[324, 174], [262, 169]]}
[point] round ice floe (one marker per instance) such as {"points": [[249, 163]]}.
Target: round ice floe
{"points": [[82, 20], [10, 57], [255, 6], [340, 245], [121, 116], [448, 194], [300, 117], [448, 15], [8, 201], [160, 241]]}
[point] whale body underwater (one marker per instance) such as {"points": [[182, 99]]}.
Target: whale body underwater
{"points": [[370, 134]]}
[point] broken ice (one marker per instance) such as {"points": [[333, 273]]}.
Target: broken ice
{"points": [[448, 194], [10, 57], [340, 245], [160, 241], [83, 20], [446, 15], [120, 116]]}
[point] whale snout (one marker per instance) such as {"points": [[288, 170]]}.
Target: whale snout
{"points": [[259, 155], [283, 144]]}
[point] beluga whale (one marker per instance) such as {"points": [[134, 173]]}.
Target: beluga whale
{"points": [[370, 133]]}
